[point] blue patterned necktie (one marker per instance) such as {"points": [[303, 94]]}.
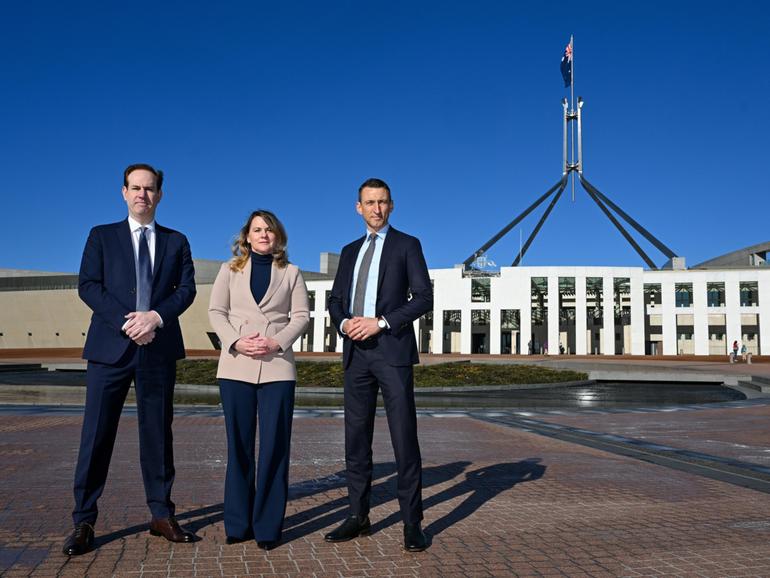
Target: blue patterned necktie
{"points": [[143, 274], [363, 277]]}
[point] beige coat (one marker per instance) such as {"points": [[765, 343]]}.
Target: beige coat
{"points": [[283, 314]]}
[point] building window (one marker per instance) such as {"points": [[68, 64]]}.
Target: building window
{"points": [[480, 331], [480, 289], [539, 293], [622, 300], [652, 295], [683, 294], [510, 323], [311, 299], [715, 294], [749, 293]]}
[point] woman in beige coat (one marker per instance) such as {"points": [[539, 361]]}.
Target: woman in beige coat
{"points": [[258, 307]]}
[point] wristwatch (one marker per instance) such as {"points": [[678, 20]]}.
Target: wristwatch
{"points": [[381, 323]]}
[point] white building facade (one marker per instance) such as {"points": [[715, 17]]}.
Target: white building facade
{"points": [[582, 311]]}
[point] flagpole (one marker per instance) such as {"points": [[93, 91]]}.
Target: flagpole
{"points": [[572, 105]]}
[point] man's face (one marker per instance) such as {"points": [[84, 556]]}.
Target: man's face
{"points": [[375, 207], [141, 195]]}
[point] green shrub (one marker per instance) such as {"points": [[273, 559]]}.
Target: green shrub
{"points": [[330, 374]]}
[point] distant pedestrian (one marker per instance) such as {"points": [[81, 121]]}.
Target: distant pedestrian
{"points": [[744, 351], [735, 352]]}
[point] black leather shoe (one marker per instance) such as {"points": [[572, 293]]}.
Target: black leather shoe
{"points": [[351, 528], [170, 530], [80, 541], [230, 540], [267, 544], [414, 538]]}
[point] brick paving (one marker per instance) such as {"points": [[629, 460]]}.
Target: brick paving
{"points": [[498, 502], [744, 436]]}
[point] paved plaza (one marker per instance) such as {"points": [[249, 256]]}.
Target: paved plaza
{"points": [[499, 500], [667, 491]]}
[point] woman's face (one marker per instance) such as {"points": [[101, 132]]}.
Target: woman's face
{"points": [[261, 236]]}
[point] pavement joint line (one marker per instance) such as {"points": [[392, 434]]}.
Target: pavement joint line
{"points": [[735, 472]]}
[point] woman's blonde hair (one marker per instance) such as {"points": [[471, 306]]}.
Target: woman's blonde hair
{"points": [[242, 247]]}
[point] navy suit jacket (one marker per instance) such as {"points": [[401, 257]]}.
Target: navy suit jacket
{"points": [[107, 284], [403, 274]]}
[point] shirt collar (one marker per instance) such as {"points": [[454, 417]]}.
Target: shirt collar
{"points": [[133, 224], [380, 234]]}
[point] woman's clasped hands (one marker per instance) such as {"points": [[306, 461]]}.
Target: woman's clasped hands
{"points": [[256, 345]]}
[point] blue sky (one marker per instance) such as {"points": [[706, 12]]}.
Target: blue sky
{"points": [[290, 105]]}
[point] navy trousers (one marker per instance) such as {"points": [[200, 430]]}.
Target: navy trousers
{"points": [[106, 390], [368, 371], [256, 492]]}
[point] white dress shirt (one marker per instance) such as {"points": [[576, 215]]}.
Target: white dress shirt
{"points": [[136, 234]]}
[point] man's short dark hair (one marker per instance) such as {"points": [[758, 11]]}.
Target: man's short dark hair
{"points": [[373, 184], [144, 167]]}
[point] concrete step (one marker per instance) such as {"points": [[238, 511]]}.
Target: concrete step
{"points": [[16, 367], [761, 386], [761, 379]]}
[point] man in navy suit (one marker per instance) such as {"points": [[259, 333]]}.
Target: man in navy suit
{"points": [[381, 288], [137, 277]]}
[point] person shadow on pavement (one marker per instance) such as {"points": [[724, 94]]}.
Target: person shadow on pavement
{"points": [[480, 485], [335, 511]]}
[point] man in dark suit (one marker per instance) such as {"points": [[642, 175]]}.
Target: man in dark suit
{"points": [[381, 288], [137, 277]]}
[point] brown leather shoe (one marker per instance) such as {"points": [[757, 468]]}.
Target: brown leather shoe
{"points": [[80, 541], [170, 530]]}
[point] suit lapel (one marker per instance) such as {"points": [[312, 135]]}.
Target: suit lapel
{"points": [[161, 240], [276, 277], [123, 234], [387, 250]]}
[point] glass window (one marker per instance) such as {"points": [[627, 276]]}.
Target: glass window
{"points": [[683, 294], [749, 293], [715, 294], [652, 295], [480, 289]]}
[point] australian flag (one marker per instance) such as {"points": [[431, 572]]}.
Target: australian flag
{"points": [[566, 64]]}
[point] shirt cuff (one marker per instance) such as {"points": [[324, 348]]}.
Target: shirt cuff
{"points": [[342, 324]]}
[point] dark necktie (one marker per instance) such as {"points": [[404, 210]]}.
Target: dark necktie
{"points": [[143, 274], [363, 276]]}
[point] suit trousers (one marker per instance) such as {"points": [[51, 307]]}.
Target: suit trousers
{"points": [[256, 492], [367, 372], [106, 389]]}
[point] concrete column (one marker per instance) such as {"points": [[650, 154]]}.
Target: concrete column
{"points": [[700, 317], [580, 316], [318, 323], [668, 305], [494, 330], [732, 310], [764, 316], [608, 312], [553, 315], [438, 331], [637, 316], [465, 330], [525, 314]]}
